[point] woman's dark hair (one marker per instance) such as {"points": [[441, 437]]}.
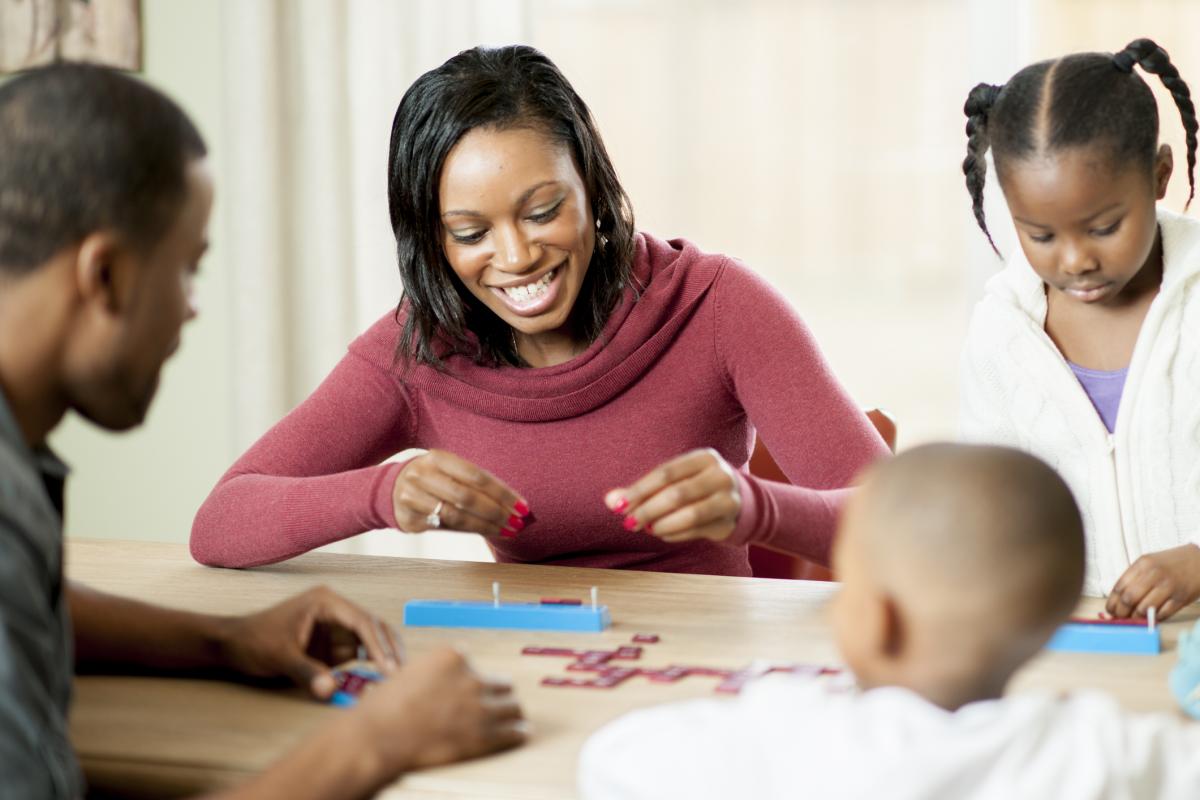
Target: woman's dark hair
{"points": [[85, 148], [1080, 99], [502, 88]]}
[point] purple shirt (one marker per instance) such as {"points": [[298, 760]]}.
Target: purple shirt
{"points": [[1103, 389]]}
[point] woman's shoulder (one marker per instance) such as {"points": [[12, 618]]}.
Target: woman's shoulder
{"points": [[677, 258], [378, 343], [741, 288], [696, 270]]}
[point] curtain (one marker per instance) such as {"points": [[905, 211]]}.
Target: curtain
{"points": [[310, 90]]}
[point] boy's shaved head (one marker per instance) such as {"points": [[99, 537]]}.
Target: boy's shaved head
{"points": [[977, 552], [979, 526]]}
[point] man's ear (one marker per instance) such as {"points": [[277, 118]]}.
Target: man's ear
{"points": [[102, 272], [1164, 164]]}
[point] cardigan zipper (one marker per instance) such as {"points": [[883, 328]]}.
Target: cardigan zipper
{"points": [[1108, 440]]}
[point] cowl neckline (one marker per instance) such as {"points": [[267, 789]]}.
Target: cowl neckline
{"points": [[670, 279]]}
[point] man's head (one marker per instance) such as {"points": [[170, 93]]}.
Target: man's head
{"points": [[958, 563], [104, 205]]}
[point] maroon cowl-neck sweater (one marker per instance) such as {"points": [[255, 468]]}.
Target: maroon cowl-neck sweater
{"points": [[707, 354]]}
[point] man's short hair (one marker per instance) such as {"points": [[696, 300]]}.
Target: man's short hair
{"points": [[82, 149]]}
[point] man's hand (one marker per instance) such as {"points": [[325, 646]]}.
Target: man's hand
{"points": [[437, 710], [434, 710], [302, 637], [1167, 581]]}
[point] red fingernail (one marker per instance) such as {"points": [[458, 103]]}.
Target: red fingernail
{"points": [[521, 508], [507, 534], [516, 523], [630, 523], [621, 506], [649, 529]]}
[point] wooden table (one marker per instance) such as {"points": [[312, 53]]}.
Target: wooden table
{"points": [[162, 736]]}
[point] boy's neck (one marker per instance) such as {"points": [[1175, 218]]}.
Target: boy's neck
{"points": [[950, 679], [951, 694]]}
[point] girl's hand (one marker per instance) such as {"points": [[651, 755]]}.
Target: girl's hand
{"points": [[1167, 581], [441, 490], [691, 497]]}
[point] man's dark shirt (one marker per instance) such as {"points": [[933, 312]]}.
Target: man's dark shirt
{"points": [[36, 659]]}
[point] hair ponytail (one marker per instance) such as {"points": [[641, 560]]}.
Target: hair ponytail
{"points": [[978, 106], [1153, 59]]}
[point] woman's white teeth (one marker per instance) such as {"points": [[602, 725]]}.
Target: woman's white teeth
{"points": [[531, 291]]}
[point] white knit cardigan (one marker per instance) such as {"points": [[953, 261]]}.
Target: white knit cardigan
{"points": [[1139, 487]]}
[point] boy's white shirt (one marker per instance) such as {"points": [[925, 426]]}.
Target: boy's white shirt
{"points": [[798, 738], [1139, 487]]}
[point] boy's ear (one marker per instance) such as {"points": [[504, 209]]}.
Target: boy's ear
{"points": [[1164, 164], [882, 626], [892, 633], [101, 272]]}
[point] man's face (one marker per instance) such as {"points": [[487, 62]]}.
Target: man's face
{"points": [[115, 388]]}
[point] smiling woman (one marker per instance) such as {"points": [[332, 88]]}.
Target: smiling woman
{"points": [[587, 394], [513, 174]]}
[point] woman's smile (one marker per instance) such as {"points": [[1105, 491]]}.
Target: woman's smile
{"points": [[533, 296]]}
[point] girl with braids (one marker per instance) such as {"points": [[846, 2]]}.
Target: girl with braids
{"points": [[587, 394], [1085, 350]]}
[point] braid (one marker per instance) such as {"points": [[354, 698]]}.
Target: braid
{"points": [[1152, 58], [979, 104]]}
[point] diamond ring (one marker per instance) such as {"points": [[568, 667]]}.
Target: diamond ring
{"points": [[434, 520]]}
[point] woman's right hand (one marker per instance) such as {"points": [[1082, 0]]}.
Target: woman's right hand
{"points": [[441, 490]]}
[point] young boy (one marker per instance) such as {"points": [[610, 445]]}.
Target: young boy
{"points": [[958, 563], [104, 204]]}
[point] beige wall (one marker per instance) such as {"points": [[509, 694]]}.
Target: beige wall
{"points": [[817, 141], [148, 483]]}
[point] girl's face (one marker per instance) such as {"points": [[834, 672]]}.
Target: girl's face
{"points": [[1087, 226], [517, 226]]}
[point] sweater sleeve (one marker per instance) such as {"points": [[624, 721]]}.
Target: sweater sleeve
{"points": [[316, 476], [817, 435], [984, 403]]}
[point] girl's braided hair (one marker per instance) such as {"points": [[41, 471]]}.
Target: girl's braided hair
{"points": [[1080, 99]]}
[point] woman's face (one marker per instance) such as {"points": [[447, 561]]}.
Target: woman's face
{"points": [[517, 227]]}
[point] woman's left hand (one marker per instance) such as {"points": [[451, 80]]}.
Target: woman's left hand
{"points": [[1167, 581], [694, 496]]}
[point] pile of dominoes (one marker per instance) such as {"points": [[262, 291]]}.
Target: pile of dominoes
{"points": [[607, 675]]}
